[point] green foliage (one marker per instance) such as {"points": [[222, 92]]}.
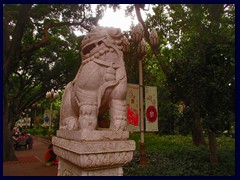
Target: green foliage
{"points": [[40, 131], [48, 55], [185, 122], [198, 46], [169, 115], [175, 155]]}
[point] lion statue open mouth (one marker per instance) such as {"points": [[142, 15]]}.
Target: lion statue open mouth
{"points": [[100, 84]]}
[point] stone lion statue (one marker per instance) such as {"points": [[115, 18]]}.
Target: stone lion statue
{"points": [[100, 84]]}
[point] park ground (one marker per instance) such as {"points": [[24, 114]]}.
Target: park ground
{"points": [[30, 161], [168, 155]]}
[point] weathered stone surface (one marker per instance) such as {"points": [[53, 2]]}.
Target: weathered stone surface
{"points": [[99, 154], [66, 168], [97, 135]]}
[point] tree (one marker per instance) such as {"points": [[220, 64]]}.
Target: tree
{"points": [[201, 63], [40, 52], [196, 55]]}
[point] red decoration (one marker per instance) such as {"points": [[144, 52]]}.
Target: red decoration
{"points": [[132, 116], [151, 114], [104, 123]]}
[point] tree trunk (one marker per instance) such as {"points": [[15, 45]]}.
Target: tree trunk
{"points": [[197, 131], [213, 148], [11, 54], [8, 149], [12, 49]]}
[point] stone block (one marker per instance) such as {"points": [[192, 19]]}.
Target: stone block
{"points": [[92, 152]]}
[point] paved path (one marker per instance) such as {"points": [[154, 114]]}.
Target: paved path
{"points": [[30, 162]]}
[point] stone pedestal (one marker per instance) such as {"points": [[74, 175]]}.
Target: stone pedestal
{"points": [[92, 153]]}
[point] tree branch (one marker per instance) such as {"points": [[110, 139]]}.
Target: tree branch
{"points": [[165, 69], [45, 39]]}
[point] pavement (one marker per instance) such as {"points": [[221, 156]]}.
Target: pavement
{"points": [[30, 161]]}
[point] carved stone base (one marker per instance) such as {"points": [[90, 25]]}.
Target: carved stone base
{"points": [[92, 153], [67, 168]]}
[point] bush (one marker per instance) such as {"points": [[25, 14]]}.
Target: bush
{"points": [[43, 131], [175, 155]]}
